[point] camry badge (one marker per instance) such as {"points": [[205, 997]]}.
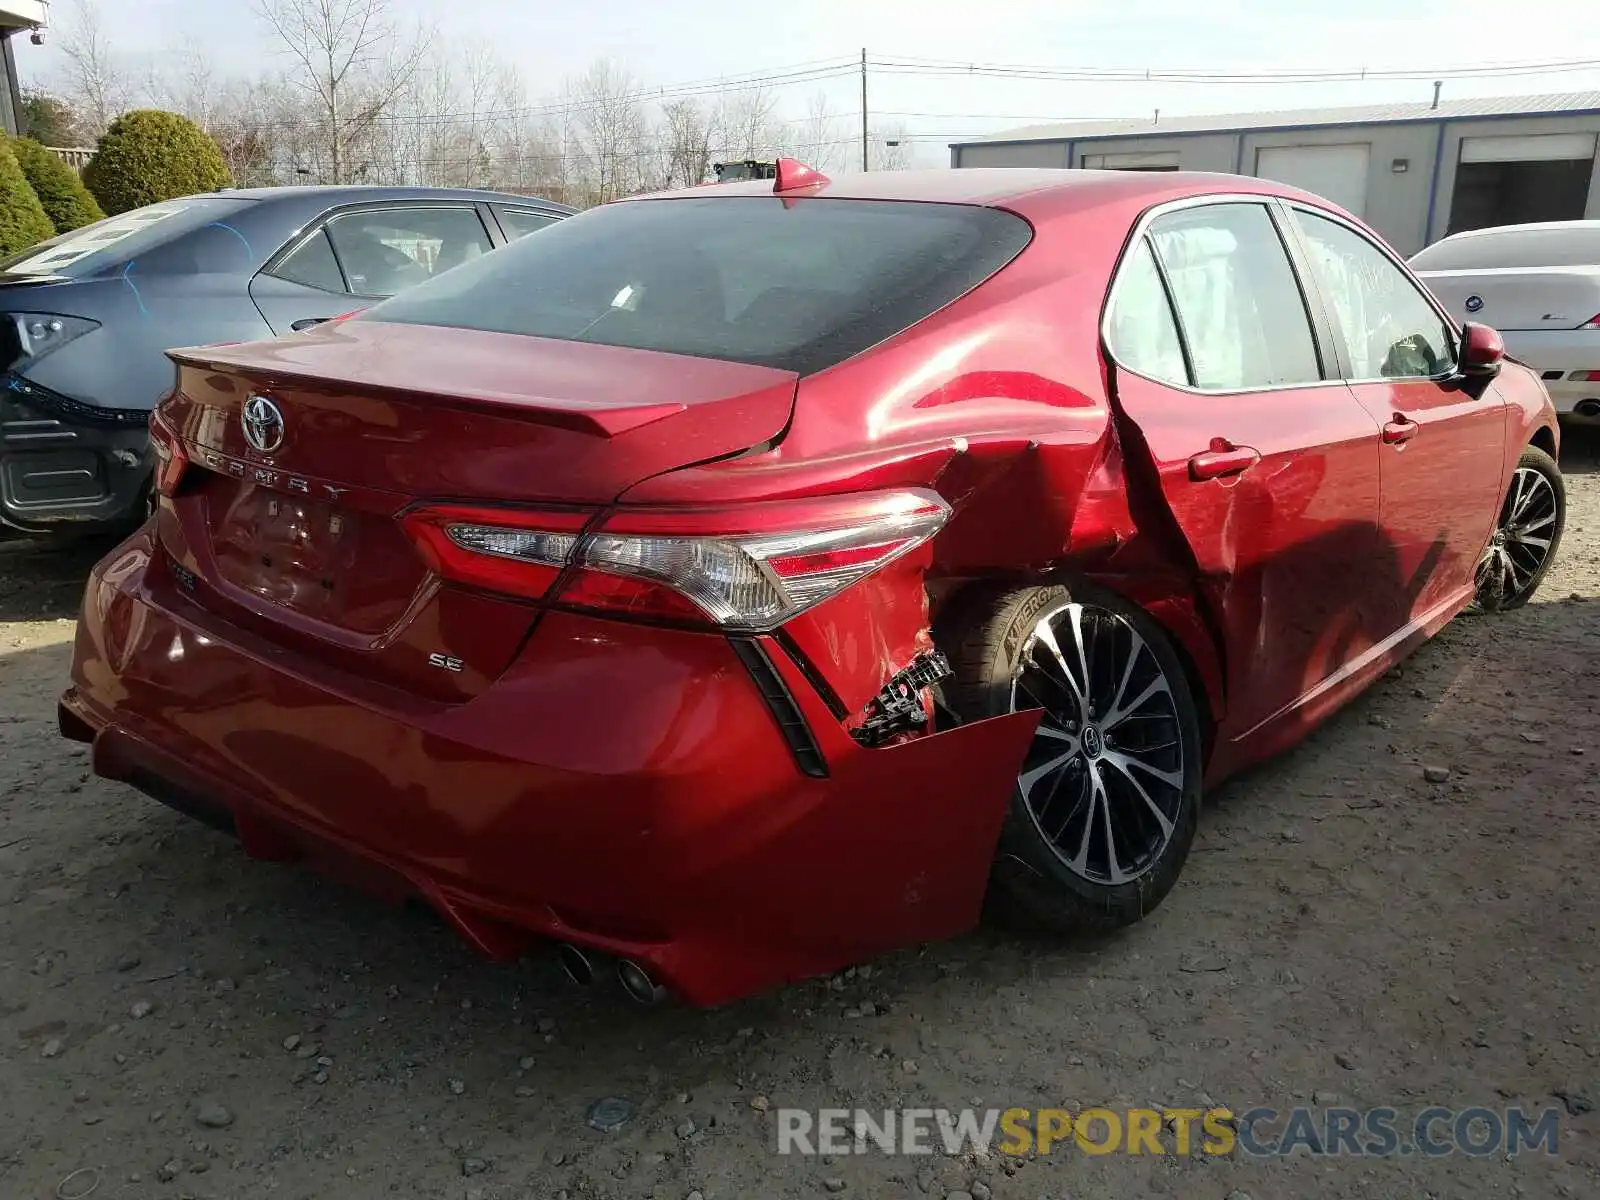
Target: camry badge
{"points": [[263, 424]]}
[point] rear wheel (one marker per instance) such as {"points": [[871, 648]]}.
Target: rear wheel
{"points": [[1526, 536], [1106, 805]]}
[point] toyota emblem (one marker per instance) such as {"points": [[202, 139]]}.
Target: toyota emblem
{"points": [[1474, 303], [263, 424]]}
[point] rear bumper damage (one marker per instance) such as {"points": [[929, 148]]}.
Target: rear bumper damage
{"points": [[638, 791]]}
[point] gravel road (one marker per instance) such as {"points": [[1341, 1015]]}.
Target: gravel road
{"points": [[176, 1021]]}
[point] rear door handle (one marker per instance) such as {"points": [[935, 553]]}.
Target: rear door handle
{"points": [[1399, 430], [305, 323], [1222, 459]]}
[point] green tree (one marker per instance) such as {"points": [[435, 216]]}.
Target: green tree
{"points": [[66, 201], [48, 120], [22, 219], [147, 156]]}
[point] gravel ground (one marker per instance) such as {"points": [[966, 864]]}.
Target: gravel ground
{"points": [[178, 1021]]}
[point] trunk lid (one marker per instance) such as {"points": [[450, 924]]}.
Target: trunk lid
{"points": [[1519, 298], [296, 537]]}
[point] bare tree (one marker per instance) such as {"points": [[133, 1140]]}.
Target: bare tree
{"points": [[184, 81], [261, 127], [349, 58], [891, 147], [524, 147], [685, 140], [749, 127], [610, 125], [97, 81], [817, 141]]}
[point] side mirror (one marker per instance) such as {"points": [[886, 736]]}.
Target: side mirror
{"points": [[1483, 351]]}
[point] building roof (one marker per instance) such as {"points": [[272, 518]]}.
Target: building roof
{"points": [[1300, 118], [21, 14]]}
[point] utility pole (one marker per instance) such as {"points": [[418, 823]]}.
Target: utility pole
{"points": [[864, 108]]}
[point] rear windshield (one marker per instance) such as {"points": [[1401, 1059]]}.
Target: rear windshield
{"points": [[1562, 247], [798, 284], [116, 240]]}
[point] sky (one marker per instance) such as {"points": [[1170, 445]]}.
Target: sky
{"points": [[688, 40]]}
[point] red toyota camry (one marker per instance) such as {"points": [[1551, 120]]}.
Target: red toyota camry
{"points": [[740, 582]]}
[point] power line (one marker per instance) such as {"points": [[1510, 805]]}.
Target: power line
{"points": [[711, 86]]}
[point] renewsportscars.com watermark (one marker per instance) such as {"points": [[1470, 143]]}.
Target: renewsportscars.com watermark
{"points": [[1256, 1132]]}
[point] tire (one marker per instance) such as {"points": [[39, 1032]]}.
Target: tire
{"points": [[1056, 880], [1526, 537]]}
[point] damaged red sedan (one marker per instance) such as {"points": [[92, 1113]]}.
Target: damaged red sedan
{"points": [[741, 582]]}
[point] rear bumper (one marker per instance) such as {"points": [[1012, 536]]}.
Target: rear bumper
{"points": [[620, 787], [1555, 356], [64, 464]]}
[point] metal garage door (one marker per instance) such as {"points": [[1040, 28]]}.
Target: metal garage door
{"points": [[1337, 173], [1539, 147]]}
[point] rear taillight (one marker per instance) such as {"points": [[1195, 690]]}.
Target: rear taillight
{"points": [[1585, 376], [502, 550], [1592, 323], [748, 569], [171, 458]]}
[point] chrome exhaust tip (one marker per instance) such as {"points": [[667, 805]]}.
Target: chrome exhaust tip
{"points": [[576, 964], [639, 983]]}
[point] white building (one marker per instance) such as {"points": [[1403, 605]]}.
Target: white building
{"points": [[1415, 172]]}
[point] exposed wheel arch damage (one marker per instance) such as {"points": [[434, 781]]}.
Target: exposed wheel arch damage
{"points": [[1545, 439]]}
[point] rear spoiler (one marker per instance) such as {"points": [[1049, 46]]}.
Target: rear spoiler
{"points": [[598, 420]]}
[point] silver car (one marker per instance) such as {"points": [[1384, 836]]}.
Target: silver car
{"points": [[1539, 285]]}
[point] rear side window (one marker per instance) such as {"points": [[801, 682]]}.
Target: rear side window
{"points": [[1141, 333], [388, 250], [313, 265], [520, 222], [794, 284], [1237, 297]]}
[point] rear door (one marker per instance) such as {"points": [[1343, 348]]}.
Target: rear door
{"points": [[356, 257], [1443, 450], [1265, 460]]}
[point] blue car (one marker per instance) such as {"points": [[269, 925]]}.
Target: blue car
{"points": [[85, 317]]}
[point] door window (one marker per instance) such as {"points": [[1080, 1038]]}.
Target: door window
{"points": [[1388, 328], [1237, 297], [1141, 332], [520, 222], [313, 265], [385, 251]]}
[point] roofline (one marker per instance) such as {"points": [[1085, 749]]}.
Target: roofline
{"points": [[1302, 127], [17, 15], [1587, 222], [360, 193]]}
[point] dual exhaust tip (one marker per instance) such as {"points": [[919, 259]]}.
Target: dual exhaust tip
{"points": [[635, 979]]}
